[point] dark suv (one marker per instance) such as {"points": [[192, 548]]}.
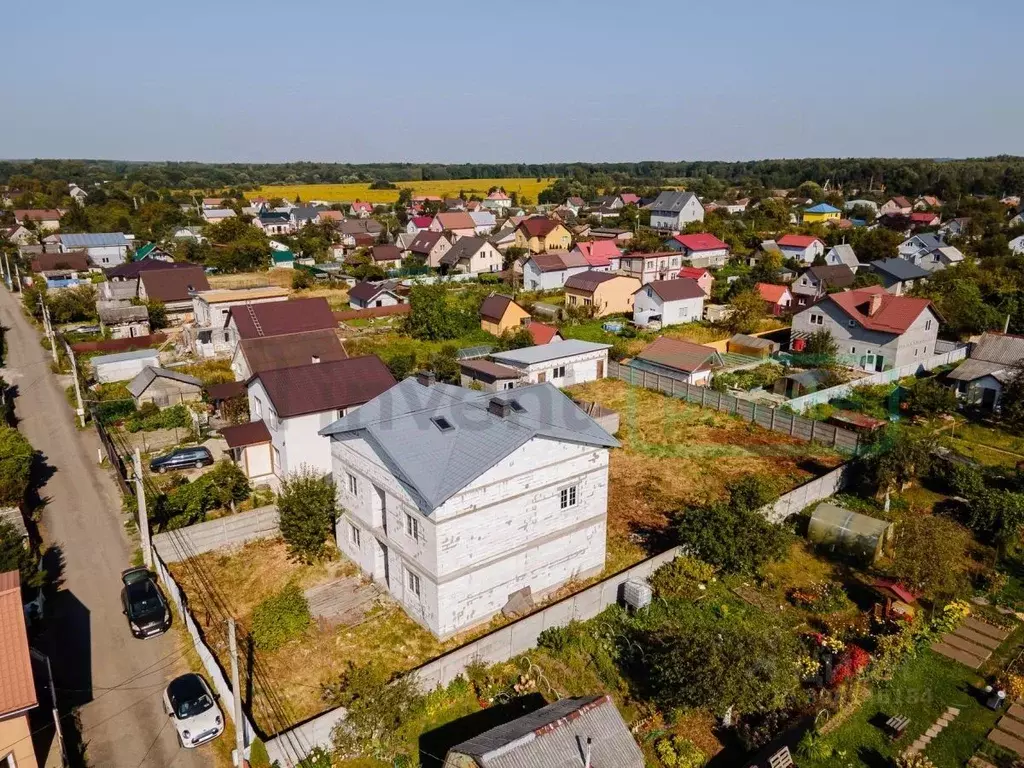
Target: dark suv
{"points": [[143, 603], [182, 458]]}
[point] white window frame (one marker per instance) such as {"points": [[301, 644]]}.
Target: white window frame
{"points": [[413, 583], [569, 497], [257, 407], [558, 373], [353, 484], [354, 536], [927, 325], [412, 526]]}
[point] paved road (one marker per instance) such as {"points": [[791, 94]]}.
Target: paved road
{"points": [[117, 679]]}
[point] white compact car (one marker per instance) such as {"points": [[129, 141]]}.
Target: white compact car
{"points": [[190, 703]]}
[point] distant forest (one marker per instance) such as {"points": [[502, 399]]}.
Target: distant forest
{"points": [[946, 178]]}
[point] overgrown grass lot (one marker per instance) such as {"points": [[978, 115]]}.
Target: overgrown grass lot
{"points": [[675, 454]]}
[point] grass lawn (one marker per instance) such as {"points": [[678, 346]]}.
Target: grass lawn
{"points": [[668, 449], [337, 193], [992, 436], [921, 690]]}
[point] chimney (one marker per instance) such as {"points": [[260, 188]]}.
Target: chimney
{"points": [[315, 359], [875, 304], [426, 378], [499, 408]]}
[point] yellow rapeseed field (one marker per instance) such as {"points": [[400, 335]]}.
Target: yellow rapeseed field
{"points": [[338, 193]]}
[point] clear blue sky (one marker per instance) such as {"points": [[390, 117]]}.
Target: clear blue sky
{"points": [[223, 80]]}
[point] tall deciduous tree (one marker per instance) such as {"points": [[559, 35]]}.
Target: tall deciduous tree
{"points": [[16, 454], [747, 311], [308, 510]]}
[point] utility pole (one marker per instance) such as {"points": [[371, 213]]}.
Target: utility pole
{"points": [[78, 387], [7, 272], [48, 328], [140, 498], [236, 696], [17, 277]]}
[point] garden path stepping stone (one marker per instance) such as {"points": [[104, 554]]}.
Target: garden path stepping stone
{"points": [[985, 628], [1016, 711], [1003, 739], [1010, 725], [977, 638], [966, 645], [967, 659], [953, 711]]}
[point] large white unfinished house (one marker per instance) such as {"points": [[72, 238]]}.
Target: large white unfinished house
{"points": [[461, 501]]}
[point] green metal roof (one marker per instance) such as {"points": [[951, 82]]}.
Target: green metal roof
{"points": [[279, 257]]}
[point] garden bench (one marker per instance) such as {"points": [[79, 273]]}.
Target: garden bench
{"points": [[781, 759], [896, 725]]}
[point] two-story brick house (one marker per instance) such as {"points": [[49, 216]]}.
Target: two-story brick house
{"points": [[457, 500], [875, 331]]}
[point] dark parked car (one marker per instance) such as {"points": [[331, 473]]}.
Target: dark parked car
{"points": [[144, 603], [182, 458]]}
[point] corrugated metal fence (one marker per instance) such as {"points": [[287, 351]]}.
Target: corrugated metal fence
{"points": [[775, 419]]}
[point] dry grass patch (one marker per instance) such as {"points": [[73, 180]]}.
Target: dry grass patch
{"points": [[287, 681], [280, 278], [675, 454]]}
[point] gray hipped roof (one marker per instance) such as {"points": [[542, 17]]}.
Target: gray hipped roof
{"points": [[899, 269], [671, 201], [437, 439], [149, 374]]}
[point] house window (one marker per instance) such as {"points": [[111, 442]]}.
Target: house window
{"points": [[817, 319], [508, 385], [567, 497], [558, 373], [414, 583], [277, 459], [353, 535], [572, 300], [853, 350], [342, 412], [412, 526], [587, 302], [927, 325], [257, 408], [353, 484]]}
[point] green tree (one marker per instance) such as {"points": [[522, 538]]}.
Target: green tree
{"points": [[515, 338], [747, 309], [445, 364], [16, 456], [894, 457], [929, 398], [379, 709], [301, 279], [821, 349], [431, 318], [308, 511], [157, 314], [733, 535], [810, 189], [15, 554], [1013, 398], [701, 660], [875, 244], [931, 556]]}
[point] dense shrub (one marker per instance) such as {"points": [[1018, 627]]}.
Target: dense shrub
{"points": [[150, 417], [682, 578], [763, 375], [733, 535], [186, 503], [16, 454], [279, 618]]}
